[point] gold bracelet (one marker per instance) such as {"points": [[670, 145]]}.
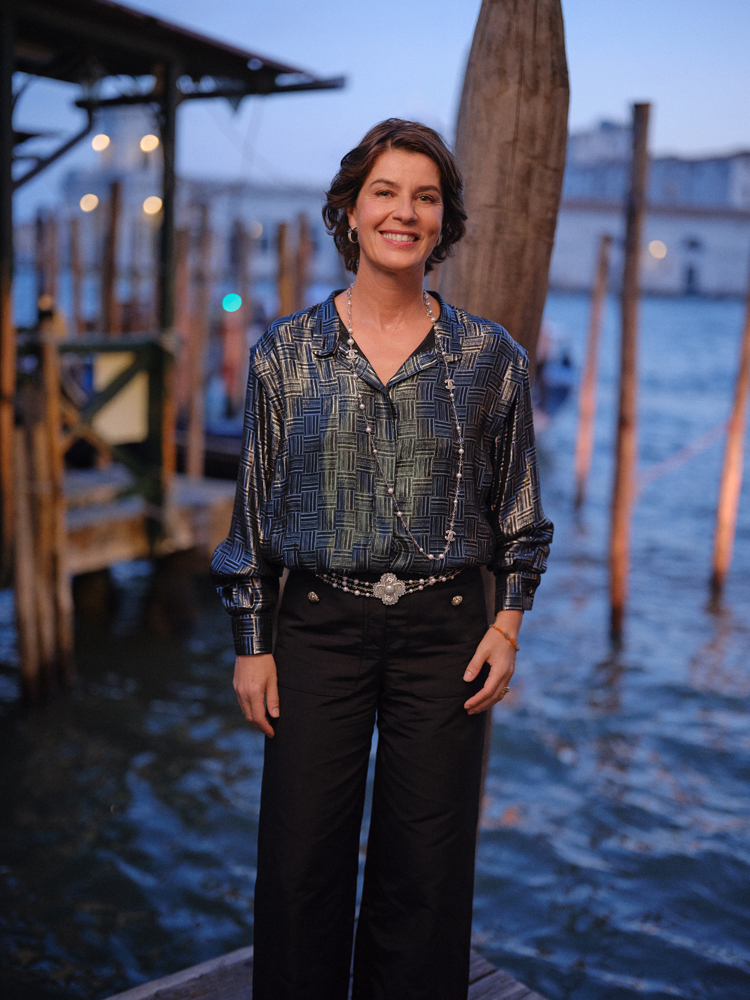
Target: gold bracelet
{"points": [[510, 638]]}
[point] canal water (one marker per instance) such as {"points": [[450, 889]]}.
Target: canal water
{"points": [[614, 856]]}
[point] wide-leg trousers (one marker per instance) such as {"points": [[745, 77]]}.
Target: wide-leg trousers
{"points": [[345, 664]]}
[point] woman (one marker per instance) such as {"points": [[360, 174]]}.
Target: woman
{"points": [[388, 454]]}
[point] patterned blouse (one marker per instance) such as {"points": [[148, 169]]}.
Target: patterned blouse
{"points": [[309, 494]]}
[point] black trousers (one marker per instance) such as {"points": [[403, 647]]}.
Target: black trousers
{"points": [[345, 663]]}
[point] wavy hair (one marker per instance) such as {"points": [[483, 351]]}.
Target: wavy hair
{"points": [[395, 133]]}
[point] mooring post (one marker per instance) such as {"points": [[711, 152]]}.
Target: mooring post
{"points": [[7, 328], [109, 318], [76, 275], [731, 475], [302, 270], [285, 278], [587, 395], [196, 434], [623, 491]]}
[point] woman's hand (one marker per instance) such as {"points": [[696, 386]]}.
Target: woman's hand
{"points": [[256, 689], [496, 650]]}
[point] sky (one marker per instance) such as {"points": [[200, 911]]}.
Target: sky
{"points": [[406, 58]]}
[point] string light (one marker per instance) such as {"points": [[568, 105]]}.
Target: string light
{"points": [[152, 205], [149, 143], [100, 142], [88, 203], [657, 249], [231, 302]]}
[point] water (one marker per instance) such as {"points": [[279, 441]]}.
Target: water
{"points": [[614, 856]]}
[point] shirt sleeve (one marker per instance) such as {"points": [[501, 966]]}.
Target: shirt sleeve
{"points": [[522, 531], [247, 583]]}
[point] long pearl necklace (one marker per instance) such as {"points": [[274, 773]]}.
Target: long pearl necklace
{"points": [[450, 386]]}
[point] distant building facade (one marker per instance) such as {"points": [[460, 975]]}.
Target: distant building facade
{"points": [[697, 233]]}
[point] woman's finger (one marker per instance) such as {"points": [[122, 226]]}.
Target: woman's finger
{"points": [[258, 710], [272, 697]]}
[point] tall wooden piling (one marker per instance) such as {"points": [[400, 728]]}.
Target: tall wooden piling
{"points": [[623, 491], [510, 141], [199, 328], [304, 255], [587, 394], [731, 475], [7, 328], [42, 585], [285, 274], [76, 275], [109, 318]]}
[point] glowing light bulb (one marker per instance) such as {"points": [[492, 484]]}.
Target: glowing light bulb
{"points": [[100, 142], [231, 302], [88, 203], [152, 205], [256, 230], [149, 143], [657, 249]]}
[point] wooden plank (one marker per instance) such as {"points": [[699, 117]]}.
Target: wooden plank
{"points": [[110, 531], [501, 985], [229, 977]]}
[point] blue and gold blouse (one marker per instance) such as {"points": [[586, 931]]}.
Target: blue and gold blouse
{"points": [[309, 495]]}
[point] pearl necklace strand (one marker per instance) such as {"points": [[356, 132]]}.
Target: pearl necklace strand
{"points": [[450, 386]]}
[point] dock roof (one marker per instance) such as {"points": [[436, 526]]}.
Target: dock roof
{"points": [[84, 41]]}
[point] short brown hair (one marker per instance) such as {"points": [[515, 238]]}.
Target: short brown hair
{"points": [[394, 133]]}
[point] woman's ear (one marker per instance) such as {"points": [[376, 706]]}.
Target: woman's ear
{"points": [[352, 218]]}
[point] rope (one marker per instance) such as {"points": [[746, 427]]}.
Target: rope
{"points": [[683, 455]]}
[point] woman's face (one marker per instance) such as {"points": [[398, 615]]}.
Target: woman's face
{"points": [[399, 211]]}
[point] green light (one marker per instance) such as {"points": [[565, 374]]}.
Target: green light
{"points": [[232, 302]]}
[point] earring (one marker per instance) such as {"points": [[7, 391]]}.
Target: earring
{"points": [[439, 240], [353, 235]]}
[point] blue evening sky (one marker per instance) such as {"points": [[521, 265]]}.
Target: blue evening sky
{"points": [[407, 57]]}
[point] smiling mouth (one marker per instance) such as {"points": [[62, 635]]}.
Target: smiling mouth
{"points": [[400, 237]]}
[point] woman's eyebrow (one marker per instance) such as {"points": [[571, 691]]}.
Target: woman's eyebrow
{"points": [[393, 184]]}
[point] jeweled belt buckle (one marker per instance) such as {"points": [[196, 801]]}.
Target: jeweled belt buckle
{"points": [[389, 588]]}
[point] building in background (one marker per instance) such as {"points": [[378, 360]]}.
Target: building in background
{"points": [[697, 227]]}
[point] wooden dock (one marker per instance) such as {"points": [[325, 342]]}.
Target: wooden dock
{"points": [[229, 977], [106, 526]]}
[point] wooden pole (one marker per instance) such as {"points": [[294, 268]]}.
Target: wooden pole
{"points": [[109, 319], [76, 274], [510, 142], [623, 492], [196, 435], [168, 128], [182, 316], [60, 580], [7, 327], [587, 396], [302, 270], [285, 279], [731, 475], [25, 582]]}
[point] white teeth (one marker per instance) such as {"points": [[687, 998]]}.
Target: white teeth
{"points": [[400, 237]]}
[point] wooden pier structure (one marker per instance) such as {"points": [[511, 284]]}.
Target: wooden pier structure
{"points": [[229, 977], [116, 392]]}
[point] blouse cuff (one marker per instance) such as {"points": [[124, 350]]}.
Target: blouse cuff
{"points": [[515, 591], [252, 634]]}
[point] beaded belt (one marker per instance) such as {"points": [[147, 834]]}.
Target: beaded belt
{"points": [[388, 589]]}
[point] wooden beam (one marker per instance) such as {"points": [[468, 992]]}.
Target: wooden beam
{"points": [[168, 129], [285, 277], [7, 328], [587, 394], [199, 328], [731, 475], [510, 143], [624, 486], [109, 320]]}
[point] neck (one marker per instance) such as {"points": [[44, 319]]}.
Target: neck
{"points": [[387, 297]]}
